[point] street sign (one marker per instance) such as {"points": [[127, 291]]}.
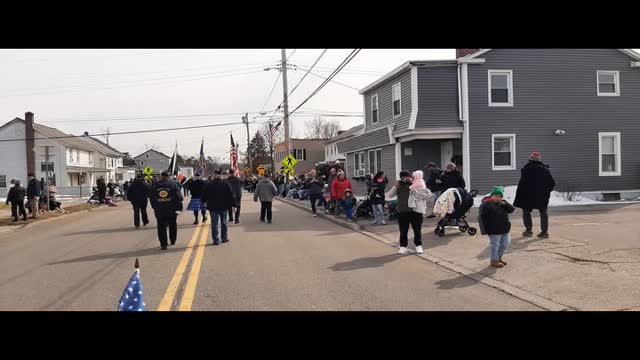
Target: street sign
{"points": [[148, 172], [261, 170], [289, 161], [288, 171]]}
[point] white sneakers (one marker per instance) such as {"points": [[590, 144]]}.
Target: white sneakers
{"points": [[419, 250], [403, 250]]}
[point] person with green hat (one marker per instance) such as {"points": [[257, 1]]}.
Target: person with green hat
{"points": [[494, 222]]}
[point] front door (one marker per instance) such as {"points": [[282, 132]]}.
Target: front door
{"points": [[446, 151]]}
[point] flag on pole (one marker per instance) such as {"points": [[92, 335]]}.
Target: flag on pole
{"points": [[132, 298], [273, 129], [234, 157], [174, 168], [201, 161]]}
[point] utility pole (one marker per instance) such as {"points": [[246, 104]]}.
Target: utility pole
{"points": [[245, 120], [285, 91], [46, 161]]}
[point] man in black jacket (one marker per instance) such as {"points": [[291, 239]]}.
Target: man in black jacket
{"points": [[236, 187], [138, 195], [218, 197], [33, 195], [102, 189], [166, 200], [434, 184], [494, 221], [196, 187], [452, 178], [16, 198], [534, 191], [315, 185]]}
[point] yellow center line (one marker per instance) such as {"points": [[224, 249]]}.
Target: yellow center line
{"points": [[172, 289], [192, 280]]}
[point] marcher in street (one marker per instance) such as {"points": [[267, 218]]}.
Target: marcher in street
{"points": [[265, 192], [185, 186], [16, 198], [33, 195], [493, 219], [125, 190], [406, 215], [138, 195], [315, 184], [348, 203], [236, 186], [377, 197], [166, 201], [451, 178], [434, 184], [534, 191], [102, 189], [196, 187], [339, 185], [218, 197]]}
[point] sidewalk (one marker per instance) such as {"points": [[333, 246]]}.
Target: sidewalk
{"points": [[590, 262]]}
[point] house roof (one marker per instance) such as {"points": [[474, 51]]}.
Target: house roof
{"points": [[75, 142], [354, 130], [168, 157], [101, 147], [404, 67], [632, 54]]}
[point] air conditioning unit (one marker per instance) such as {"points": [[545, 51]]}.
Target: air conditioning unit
{"points": [[360, 173]]}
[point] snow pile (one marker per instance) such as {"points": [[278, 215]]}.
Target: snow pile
{"points": [[555, 200]]}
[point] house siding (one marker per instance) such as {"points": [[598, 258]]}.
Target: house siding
{"points": [[388, 166], [556, 89], [365, 141], [437, 97], [385, 114]]}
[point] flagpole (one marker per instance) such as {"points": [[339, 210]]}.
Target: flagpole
{"points": [[137, 266]]}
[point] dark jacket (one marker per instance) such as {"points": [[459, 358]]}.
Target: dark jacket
{"points": [[348, 203], [196, 187], [452, 180], [16, 195], [138, 193], [265, 191], [433, 180], [315, 185], [494, 217], [33, 189], [126, 186], [217, 195], [165, 198], [403, 198], [377, 191], [102, 185], [535, 186], [187, 183], [236, 187]]}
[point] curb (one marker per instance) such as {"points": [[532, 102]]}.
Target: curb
{"points": [[486, 280]]}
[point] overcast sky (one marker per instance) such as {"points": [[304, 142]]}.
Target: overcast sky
{"points": [[81, 90]]}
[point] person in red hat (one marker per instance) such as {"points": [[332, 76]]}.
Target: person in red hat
{"points": [[534, 191]]}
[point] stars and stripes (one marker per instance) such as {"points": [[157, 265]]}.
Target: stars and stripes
{"points": [[132, 298], [234, 157], [273, 130]]}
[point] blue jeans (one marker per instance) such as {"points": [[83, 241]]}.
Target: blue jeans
{"points": [[215, 215], [498, 245], [349, 213], [378, 212]]}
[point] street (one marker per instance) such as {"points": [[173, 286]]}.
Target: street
{"points": [[83, 261]]}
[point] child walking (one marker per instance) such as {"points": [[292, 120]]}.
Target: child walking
{"points": [[494, 222], [348, 203]]}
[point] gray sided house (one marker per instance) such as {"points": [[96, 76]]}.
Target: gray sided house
{"points": [[158, 161], [489, 110]]}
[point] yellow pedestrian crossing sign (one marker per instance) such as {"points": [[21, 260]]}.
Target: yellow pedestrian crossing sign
{"points": [[148, 172], [288, 171], [289, 161]]}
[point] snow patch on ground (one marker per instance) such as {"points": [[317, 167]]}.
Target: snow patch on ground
{"points": [[555, 200]]}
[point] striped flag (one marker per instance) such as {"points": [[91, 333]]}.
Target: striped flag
{"points": [[234, 157], [273, 129]]}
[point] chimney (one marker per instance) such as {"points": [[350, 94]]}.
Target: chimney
{"points": [[30, 143], [464, 52]]}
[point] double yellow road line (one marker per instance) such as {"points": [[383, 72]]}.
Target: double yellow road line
{"points": [[192, 279]]}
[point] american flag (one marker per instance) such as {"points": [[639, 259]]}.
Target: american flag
{"points": [[201, 161], [234, 157], [273, 129], [132, 298]]}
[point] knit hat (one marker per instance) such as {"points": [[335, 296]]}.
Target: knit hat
{"points": [[535, 156], [450, 167], [497, 190]]}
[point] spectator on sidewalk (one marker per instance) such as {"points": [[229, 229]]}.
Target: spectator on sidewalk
{"points": [[33, 195], [493, 218], [452, 178], [377, 197], [348, 203], [534, 191], [236, 186], [406, 216], [218, 197], [434, 184], [42, 185], [138, 195], [102, 189], [16, 198], [338, 187], [419, 195], [314, 186], [265, 192]]}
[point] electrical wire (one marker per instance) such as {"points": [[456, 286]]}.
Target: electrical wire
{"points": [[307, 73], [339, 83]]}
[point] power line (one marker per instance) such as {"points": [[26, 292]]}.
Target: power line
{"points": [[290, 55], [307, 73], [137, 118], [271, 92], [339, 83]]}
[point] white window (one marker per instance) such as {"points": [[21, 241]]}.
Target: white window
{"points": [[396, 98], [70, 152], [503, 150], [372, 161], [378, 160], [500, 88], [358, 168], [608, 83], [91, 158], [76, 155], [374, 109], [610, 156], [299, 154], [408, 150], [3, 181]]}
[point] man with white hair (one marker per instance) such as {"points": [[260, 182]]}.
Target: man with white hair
{"points": [[451, 178]]}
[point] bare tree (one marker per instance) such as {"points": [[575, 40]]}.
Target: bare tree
{"points": [[320, 128]]}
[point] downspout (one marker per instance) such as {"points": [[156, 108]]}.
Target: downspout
{"points": [[466, 151]]}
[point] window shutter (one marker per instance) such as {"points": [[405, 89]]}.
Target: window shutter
{"points": [[295, 153], [304, 154]]}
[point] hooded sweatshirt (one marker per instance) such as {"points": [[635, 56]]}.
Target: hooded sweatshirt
{"points": [[338, 187], [265, 191]]}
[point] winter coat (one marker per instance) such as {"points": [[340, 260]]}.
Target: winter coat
{"points": [[102, 185], [166, 198], [418, 200], [348, 203], [16, 195], [535, 186], [434, 183], [236, 187], [377, 192], [451, 180], [126, 186], [494, 217], [314, 185], [138, 193], [402, 191], [196, 187], [217, 195], [338, 187], [33, 189], [265, 191]]}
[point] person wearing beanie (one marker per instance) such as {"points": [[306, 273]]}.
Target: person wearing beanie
{"points": [[407, 217], [166, 201], [16, 198], [451, 178], [493, 218], [534, 190], [338, 187], [348, 203]]}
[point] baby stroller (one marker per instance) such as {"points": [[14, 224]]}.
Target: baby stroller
{"points": [[458, 218], [363, 209]]}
